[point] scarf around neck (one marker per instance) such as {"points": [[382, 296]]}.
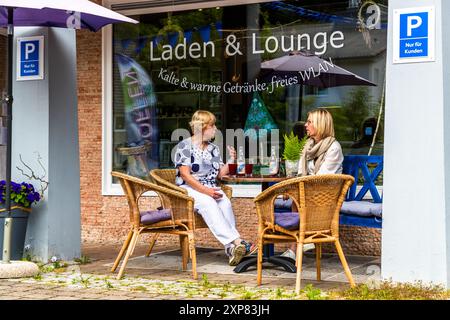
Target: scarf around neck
{"points": [[315, 151]]}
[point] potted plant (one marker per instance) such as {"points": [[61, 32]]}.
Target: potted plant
{"points": [[293, 147], [22, 195]]}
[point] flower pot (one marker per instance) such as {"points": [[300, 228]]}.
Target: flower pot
{"points": [[291, 167], [19, 229]]}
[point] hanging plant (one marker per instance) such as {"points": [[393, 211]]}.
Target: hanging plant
{"points": [[170, 27]]}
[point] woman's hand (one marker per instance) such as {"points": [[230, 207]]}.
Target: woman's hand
{"points": [[214, 193], [233, 153]]}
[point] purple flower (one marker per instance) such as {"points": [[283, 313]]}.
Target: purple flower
{"points": [[22, 194]]}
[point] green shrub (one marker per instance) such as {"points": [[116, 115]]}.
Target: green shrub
{"points": [[293, 146]]}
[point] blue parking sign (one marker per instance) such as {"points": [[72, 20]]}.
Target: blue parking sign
{"points": [[30, 58], [414, 35]]}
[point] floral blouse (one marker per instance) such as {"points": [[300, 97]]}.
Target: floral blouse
{"points": [[205, 164]]}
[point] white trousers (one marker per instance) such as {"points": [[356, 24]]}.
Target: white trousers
{"points": [[218, 215]]}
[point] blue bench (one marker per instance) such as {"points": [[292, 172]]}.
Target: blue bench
{"points": [[356, 211]]}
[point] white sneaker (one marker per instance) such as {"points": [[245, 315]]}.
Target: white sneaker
{"points": [[288, 254], [237, 253], [308, 246], [291, 254]]}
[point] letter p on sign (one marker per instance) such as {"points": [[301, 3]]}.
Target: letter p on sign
{"points": [[414, 22], [29, 48]]}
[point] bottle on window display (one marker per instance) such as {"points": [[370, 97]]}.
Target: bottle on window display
{"points": [[241, 162], [274, 163]]}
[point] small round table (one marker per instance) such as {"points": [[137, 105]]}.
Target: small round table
{"points": [[268, 251]]}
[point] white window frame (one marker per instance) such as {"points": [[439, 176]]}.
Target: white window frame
{"points": [[108, 187]]}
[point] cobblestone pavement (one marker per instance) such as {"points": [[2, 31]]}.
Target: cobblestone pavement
{"points": [[93, 281]]}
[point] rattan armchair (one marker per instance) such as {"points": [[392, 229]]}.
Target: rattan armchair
{"points": [[181, 222], [166, 178], [319, 199]]}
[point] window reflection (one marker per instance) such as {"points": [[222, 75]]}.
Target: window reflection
{"points": [[192, 45]]}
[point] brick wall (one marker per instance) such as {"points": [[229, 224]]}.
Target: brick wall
{"points": [[104, 219]]}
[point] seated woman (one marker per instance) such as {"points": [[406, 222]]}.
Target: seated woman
{"points": [[199, 164], [322, 154]]}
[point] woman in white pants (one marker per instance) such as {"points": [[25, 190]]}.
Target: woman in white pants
{"points": [[199, 164]]}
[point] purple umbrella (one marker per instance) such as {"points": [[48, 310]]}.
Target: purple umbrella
{"points": [[77, 14], [312, 70], [73, 14]]}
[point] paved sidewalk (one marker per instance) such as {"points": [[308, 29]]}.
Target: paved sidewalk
{"points": [[159, 277]]}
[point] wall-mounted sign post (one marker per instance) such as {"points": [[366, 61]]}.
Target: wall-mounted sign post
{"points": [[30, 58], [414, 35]]}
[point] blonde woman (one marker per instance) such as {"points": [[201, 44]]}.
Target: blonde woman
{"points": [[322, 154], [199, 164]]}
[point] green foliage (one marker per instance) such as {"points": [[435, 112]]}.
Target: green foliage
{"points": [[38, 277], [293, 146], [46, 268], [401, 291], [59, 265], [28, 256], [248, 295], [205, 282], [83, 260], [357, 108], [313, 293], [108, 284], [84, 281], [139, 288]]}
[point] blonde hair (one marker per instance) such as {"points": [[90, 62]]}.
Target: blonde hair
{"points": [[201, 119], [323, 122]]}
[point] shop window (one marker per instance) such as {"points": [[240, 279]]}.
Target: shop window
{"points": [[219, 52]]}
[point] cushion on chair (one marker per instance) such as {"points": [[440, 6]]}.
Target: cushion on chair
{"points": [[283, 205], [362, 208], [153, 216], [287, 220]]}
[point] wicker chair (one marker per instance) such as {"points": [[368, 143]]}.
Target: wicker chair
{"points": [[319, 199], [166, 178], [181, 211]]}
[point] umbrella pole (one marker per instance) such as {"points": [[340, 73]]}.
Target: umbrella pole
{"points": [[300, 103], [9, 100]]}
